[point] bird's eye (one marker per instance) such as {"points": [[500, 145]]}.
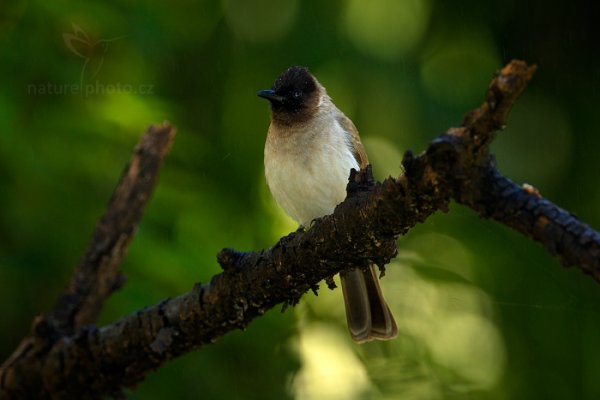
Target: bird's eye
{"points": [[297, 94]]}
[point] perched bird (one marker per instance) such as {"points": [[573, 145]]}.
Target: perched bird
{"points": [[310, 149]]}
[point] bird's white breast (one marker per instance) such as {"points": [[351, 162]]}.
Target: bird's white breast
{"points": [[308, 168]]}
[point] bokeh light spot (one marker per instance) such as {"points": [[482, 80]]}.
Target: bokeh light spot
{"points": [[459, 66], [386, 29], [330, 370], [470, 347], [536, 146]]}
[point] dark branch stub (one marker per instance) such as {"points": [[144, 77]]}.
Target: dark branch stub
{"points": [[97, 274]]}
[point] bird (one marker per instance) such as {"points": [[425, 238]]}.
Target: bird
{"points": [[310, 149]]}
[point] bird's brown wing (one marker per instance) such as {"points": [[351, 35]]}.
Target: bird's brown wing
{"points": [[357, 147]]}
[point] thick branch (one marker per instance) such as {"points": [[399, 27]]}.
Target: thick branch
{"points": [[364, 227]]}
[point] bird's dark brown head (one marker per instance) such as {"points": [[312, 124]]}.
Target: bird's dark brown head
{"points": [[294, 96]]}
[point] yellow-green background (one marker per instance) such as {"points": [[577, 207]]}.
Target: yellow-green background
{"points": [[483, 313]]}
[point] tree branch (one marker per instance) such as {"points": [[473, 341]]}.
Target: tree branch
{"points": [[457, 165], [523, 209], [97, 274]]}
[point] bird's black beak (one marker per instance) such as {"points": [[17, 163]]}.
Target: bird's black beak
{"points": [[270, 95]]}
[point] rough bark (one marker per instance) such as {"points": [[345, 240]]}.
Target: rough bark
{"points": [[54, 362]]}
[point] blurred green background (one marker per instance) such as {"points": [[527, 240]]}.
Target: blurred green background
{"points": [[483, 313]]}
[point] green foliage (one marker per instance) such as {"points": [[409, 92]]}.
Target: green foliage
{"points": [[483, 313]]}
